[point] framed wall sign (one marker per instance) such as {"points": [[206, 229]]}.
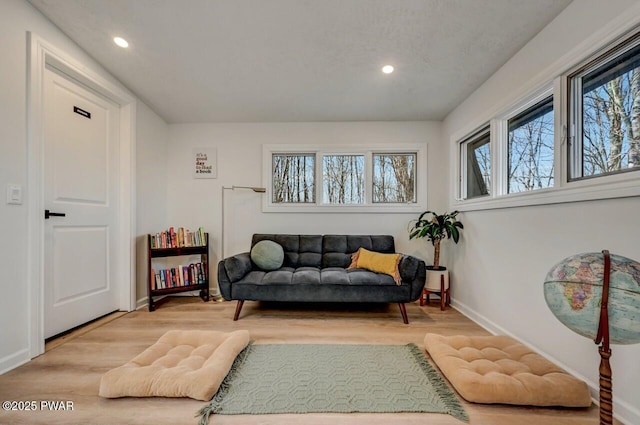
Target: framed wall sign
{"points": [[204, 163]]}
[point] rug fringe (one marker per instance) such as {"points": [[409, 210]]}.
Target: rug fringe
{"points": [[448, 396], [216, 402]]}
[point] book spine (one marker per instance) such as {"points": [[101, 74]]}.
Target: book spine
{"points": [[200, 273], [185, 275], [193, 278]]}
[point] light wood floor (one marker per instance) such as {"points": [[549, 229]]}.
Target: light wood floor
{"points": [[71, 371]]}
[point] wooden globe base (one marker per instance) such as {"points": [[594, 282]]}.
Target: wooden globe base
{"points": [[606, 388], [606, 382]]}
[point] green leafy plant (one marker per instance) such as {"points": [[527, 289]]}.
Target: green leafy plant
{"points": [[435, 228]]}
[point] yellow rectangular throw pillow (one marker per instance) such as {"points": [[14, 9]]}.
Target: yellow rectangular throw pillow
{"points": [[377, 262]]}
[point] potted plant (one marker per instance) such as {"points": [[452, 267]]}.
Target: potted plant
{"points": [[436, 227]]}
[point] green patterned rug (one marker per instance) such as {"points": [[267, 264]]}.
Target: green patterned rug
{"points": [[306, 378]]}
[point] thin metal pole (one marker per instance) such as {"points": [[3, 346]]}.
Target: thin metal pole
{"points": [[222, 227], [255, 189]]}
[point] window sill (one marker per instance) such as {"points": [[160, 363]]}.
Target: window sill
{"points": [[621, 186], [345, 209]]}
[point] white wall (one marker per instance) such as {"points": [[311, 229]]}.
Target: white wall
{"points": [[196, 202], [152, 138], [16, 18], [501, 262]]}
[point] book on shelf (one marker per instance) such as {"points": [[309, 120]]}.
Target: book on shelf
{"points": [[192, 274], [180, 238], [163, 279], [185, 275], [173, 277]]}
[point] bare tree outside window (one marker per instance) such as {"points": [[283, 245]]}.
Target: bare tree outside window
{"points": [[361, 177], [294, 178], [394, 178], [530, 148], [611, 116], [343, 179], [478, 155]]}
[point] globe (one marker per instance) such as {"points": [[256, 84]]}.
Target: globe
{"points": [[573, 292]]}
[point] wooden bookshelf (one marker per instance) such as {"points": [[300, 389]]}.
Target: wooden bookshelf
{"points": [[203, 283]]}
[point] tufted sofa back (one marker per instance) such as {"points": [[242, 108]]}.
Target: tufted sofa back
{"points": [[325, 251]]}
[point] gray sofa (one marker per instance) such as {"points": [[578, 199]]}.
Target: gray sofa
{"points": [[315, 270]]}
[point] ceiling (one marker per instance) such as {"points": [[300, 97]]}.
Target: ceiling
{"points": [[301, 60]]}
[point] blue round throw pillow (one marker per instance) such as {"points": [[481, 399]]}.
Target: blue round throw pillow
{"points": [[268, 255]]}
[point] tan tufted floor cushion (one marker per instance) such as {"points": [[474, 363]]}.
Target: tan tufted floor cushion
{"points": [[498, 369], [181, 364]]}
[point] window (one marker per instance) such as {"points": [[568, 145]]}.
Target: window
{"points": [[605, 113], [293, 178], [394, 178], [530, 148], [572, 134], [476, 154], [345, 178]]}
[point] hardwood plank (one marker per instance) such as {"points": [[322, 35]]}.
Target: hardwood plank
{"points": [[73, 369]]}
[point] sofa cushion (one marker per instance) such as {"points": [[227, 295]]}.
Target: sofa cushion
{"points": [[366, 277], [316, 276], [284, 275], [267, 255]]}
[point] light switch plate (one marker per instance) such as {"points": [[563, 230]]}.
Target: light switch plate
{"points": [[14, 194]]}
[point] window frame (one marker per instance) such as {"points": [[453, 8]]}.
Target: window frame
{"points": [[298, 154], [320, 199], [542, 103], [478, 135], [575, 156], [419, 149], [390, 153]]}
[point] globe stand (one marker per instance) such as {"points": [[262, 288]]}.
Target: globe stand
{"points": [[578, 288], [606, 383]]}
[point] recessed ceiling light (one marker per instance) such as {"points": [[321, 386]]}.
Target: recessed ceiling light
{"points": [[121, 41], [387, 69]]}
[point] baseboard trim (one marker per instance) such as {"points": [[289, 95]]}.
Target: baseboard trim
{"points": [[623, 411], [14, 360], [213, 293], [142, 303]]}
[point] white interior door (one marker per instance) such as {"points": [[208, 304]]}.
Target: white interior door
{"points": [[80, 181]]}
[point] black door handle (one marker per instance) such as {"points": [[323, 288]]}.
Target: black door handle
{"points": [[48, 214]]}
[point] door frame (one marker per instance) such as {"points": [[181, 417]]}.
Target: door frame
{"points": [[40, 53]]}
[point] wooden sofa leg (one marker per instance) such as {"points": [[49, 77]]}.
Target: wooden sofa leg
{"points": [[403, 310], [238, 308]]}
